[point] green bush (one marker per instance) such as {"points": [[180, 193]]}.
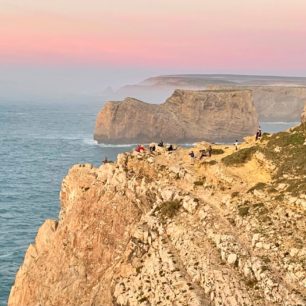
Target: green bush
{"points": [[239, 157], [217, 151]]}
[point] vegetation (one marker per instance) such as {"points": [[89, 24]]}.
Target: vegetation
{"points": [[258, 186], [217, 151], [288, 152], [240, 157], [243, 210], [169, 209], [235, 194], [211, 162]]}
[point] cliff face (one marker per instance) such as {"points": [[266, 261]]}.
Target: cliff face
{"points": [[162, 229], [303, 116], [275, 98], [187, 116], [279, 103]]}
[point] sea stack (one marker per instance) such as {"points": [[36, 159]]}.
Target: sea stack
{"points": [[187, 116]]}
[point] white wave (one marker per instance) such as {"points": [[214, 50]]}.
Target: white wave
{"points": [[92, 142], [107, 145]]}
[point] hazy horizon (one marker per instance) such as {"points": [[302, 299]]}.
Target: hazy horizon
{"points": [[65, 48]]}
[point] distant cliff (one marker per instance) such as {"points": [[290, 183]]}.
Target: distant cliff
{"points": [[303, 116], [278, 103], [275, 98], [187, 116]]}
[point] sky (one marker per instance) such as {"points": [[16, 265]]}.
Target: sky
{"points": [[83, 46]]}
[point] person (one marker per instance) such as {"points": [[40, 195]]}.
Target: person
{"points": [[170, 148], [236, 145], [203, 153], [257, 135], [210, 150], [105, 161], [140, 149], [152, 147], [191, 154], [161, 144]]}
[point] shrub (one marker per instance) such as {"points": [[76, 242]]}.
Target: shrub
{"points": [[243, 211], [217, 151], [258, 186], [235, 194], [169, 209], [240, 157]]}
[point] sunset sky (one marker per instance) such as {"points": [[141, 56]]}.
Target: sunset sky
{"points": [[125, 40]]}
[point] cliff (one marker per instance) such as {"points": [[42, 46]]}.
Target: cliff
{"points": [[161, 229], [303, 116], [278, 103], [275, 98], [187, 116]]}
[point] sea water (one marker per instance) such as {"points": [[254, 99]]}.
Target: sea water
{"points": [[38, 144]]}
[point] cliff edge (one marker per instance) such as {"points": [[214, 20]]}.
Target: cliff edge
{"points": [[187, 116], [165, 229]]}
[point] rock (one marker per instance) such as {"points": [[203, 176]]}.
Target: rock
{"points": [[194, 115], [190, 204], [232, 259], [294, 252]]}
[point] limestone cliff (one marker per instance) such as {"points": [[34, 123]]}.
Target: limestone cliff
{"points": [[187, 116], [278, 103], [303, 116], [162, 229], [275, 98]]}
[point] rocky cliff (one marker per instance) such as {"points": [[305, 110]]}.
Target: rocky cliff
{"points": [[275, 98], [303, 117], [162, 229], [278, 103], [187, 116]]}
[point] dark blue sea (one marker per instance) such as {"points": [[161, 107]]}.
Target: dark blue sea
{"points": [[38, 144]]}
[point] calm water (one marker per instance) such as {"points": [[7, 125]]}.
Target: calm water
{"points": [[38, 144]]}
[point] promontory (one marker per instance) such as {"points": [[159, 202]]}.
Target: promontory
{"points": [[187, 116]]}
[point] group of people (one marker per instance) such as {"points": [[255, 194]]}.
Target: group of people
{"points": [[203, 153], [152, 147]]}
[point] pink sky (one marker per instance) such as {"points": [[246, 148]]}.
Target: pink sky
{"points": [[229, 35]]}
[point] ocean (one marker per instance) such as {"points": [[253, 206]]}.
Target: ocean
{"points": [[38, 145]]}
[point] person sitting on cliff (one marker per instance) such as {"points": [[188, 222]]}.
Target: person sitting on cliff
{"points": [[140, 148], [105, 161], [191, 154], [170, 148], [203, 153], [152, 147], [161, 144]]}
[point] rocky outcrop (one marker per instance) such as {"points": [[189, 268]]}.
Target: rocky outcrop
{"points": [[161, 229], [187, 116], [303, 116]]}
